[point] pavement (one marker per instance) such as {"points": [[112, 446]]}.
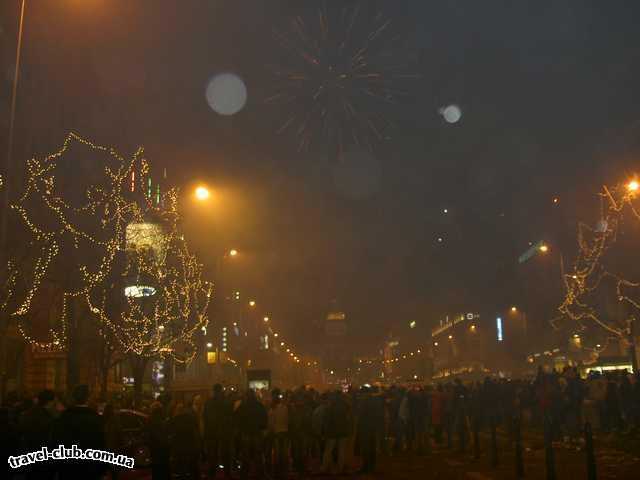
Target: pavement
{"points": [[443, 463]]}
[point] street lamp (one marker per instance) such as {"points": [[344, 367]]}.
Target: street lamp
{"points": [[544, 248], [514, 309], [202, 193], [252, 303], [233, 252], [266, 319], [633, 186]]}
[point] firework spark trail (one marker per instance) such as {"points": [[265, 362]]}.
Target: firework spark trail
{"points": [[345, 77]]}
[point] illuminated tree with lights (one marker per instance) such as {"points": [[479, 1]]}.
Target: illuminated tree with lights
{"points": [[108, 237], [71, 213], [601, 294], [155, 300]]}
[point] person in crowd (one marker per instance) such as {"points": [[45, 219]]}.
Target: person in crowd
{"points": [[300, 431], [197, 405], [157, 435], [9, 441], [369, 426], [82, 426], [184, 441], [279, 431], [251, 421], [574, 395], [217, 417], [35, 426], [317, 425], [336, 429], [418, 404], [114, 439], [437, 413], [459, 413], [626, 398], [612, 406]]}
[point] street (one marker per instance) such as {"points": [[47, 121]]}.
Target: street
{"points": [[443, 463]]}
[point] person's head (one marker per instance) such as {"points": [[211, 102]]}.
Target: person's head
{"points": [[250, 395], [179, 409], [157, 411], [109, 411], [217, 390], [276, 396], [45, 397], [80, 395]]}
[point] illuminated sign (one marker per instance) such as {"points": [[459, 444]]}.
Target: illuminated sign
{"points": [[139, 291], [499, 328]]}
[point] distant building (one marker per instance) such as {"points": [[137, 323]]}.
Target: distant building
{"points": [[338, 355], [459, 345]]}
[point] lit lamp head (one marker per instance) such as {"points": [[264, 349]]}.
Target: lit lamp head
{"points": [[202, 193], [633, 186], [139, 291]]}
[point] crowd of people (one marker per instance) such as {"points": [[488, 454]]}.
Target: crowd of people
{"points": [[304, 431]]}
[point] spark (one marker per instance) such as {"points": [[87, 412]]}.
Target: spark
{"points": [[342, 76]]}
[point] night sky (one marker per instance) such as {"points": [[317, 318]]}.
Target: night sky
{"points": [[549, 97]]}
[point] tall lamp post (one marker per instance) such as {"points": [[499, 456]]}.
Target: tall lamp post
{"points": [[6, 185], [12, 117]]}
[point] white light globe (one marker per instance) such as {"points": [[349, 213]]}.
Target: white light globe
{"points": [[451, 113], [226, 94]]}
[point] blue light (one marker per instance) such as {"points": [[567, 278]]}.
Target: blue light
{"points": [[499, 328]]}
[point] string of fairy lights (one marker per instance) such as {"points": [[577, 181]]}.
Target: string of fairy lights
{"points": [[588, 271], [281, 345], [131, 232]]}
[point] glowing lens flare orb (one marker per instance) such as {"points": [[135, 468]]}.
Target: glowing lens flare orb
{"points": [[226, 94], [451, 113]]}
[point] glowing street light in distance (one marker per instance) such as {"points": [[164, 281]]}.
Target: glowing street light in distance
{"points": [[202, 193]]}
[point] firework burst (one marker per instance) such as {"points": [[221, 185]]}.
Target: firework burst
{"points": [[342, 73]]}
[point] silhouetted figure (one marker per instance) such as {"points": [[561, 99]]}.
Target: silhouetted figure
{"points": [[369, 421], [337, 428], [114, 440], [79, 425], [437, 413], [278, 421], [251, 422], [158, 441], [184, 435], [9, 442], [217, 417], [36, 427]]}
